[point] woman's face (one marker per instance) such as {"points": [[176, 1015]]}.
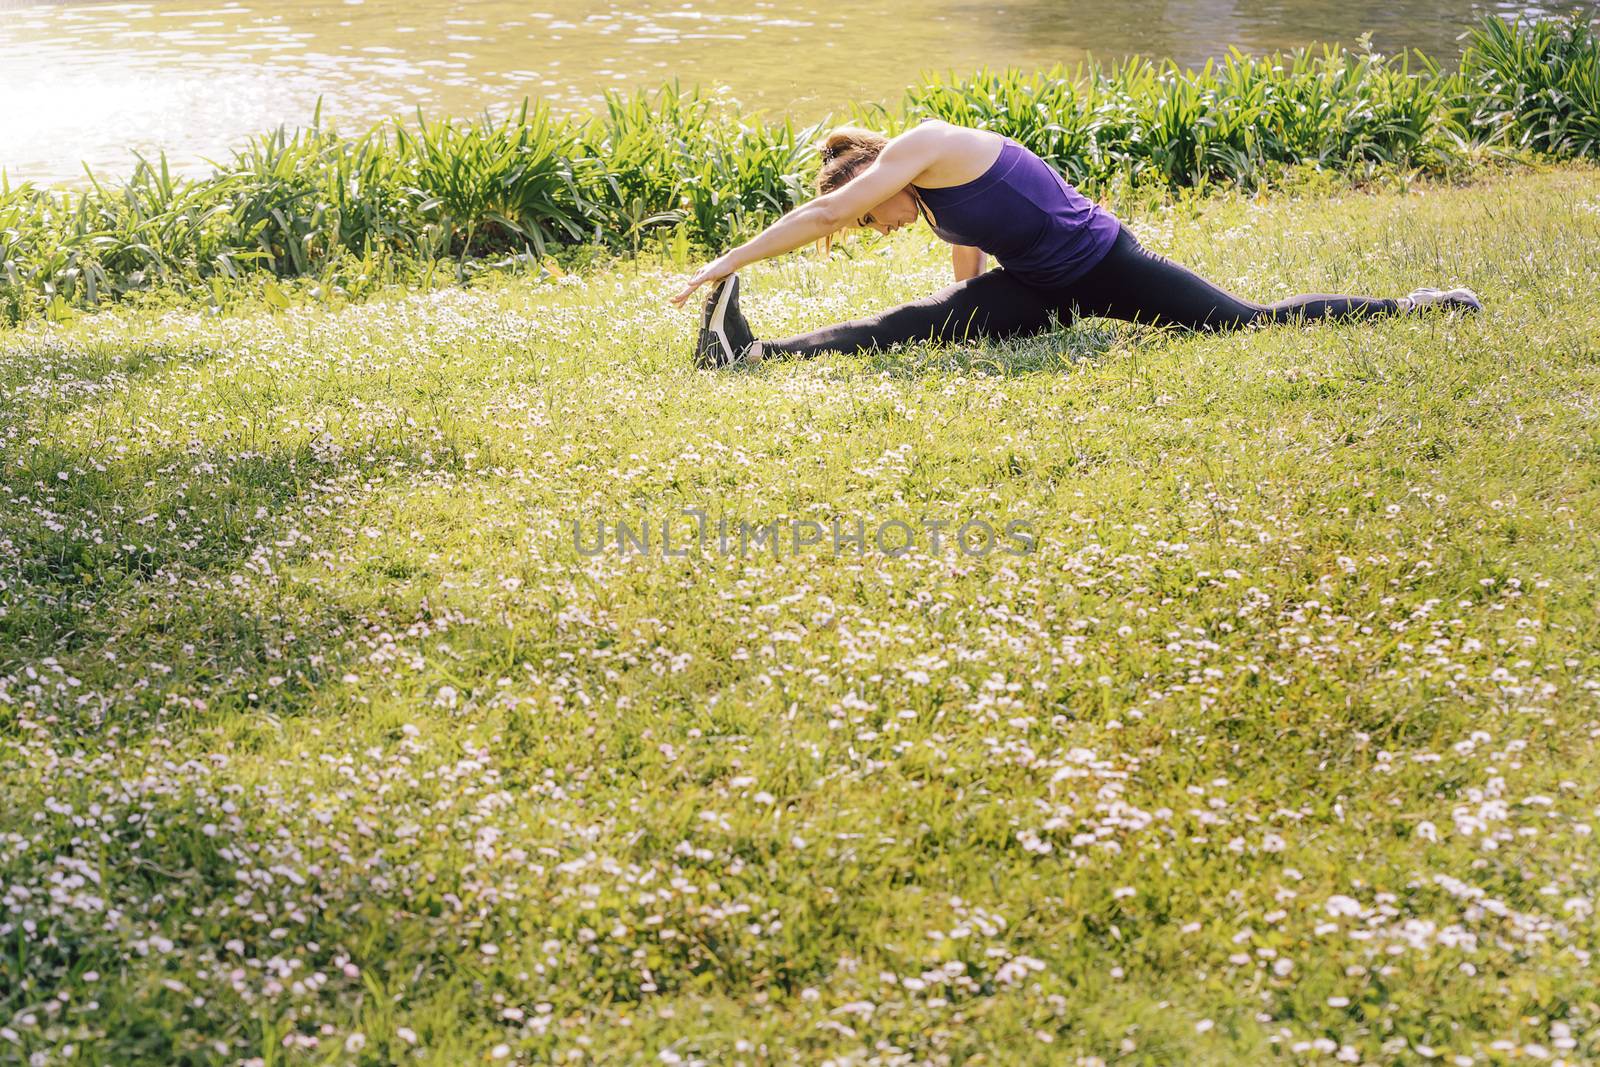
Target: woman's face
{"points": [[897, 211]]}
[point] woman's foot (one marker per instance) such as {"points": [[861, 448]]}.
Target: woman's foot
{"points": [[725, 338], [1447, 299]]}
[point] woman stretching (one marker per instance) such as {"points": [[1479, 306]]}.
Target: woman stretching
{"points": [[1059, 254]]}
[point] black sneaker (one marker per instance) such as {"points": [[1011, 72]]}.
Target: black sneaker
{"points": [[725, 337]]}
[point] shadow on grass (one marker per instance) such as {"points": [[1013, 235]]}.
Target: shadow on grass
{"points": [[168, 561]]}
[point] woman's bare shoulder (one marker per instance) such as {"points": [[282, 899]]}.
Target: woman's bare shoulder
{"points": [[959, 154]]}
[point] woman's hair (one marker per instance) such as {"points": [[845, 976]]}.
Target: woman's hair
{"points": [[847, 152]]}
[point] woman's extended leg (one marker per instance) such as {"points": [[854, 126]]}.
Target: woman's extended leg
{"points": [[992, 305], [1133, 283]]}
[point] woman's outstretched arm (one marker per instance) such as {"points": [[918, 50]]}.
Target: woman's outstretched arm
{"points": [[900, 163]]}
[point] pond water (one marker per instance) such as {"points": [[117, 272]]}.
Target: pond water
{"points": [[90, 82]]}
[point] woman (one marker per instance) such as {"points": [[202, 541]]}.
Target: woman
{"points": [[1058, 253]]}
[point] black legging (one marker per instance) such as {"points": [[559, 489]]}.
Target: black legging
{"points": [[1130, 283]]}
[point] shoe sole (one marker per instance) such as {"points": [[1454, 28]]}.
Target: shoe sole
{"points": [[713, 348], [718, 319]]}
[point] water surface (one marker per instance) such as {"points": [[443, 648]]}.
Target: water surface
{"points": [[95, 81]]}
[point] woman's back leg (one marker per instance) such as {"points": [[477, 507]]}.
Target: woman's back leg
{"points": [[1136, 284]]}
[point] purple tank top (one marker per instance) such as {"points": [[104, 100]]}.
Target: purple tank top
{"points": [[1027, 217]]}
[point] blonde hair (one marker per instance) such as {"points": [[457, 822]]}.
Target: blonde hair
{"points": [[846, 152]]}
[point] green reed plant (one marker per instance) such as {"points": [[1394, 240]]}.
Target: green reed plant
{"points": [[497, 184], [740, 183], [156, 228], [1196, 132], [1241, 121], [298, 198], [1534, 85], [638, 151], [25, 215], [685, 170], [676, 158]]}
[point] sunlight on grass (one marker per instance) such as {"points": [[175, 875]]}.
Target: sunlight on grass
{"points": [[321, 742]]}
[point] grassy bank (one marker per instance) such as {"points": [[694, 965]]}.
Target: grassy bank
{"points": [[675, 172], [321, 741]]}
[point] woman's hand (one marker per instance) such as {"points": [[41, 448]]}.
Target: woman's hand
{"points": [[716, 270]]}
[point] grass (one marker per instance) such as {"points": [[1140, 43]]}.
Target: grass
{"points": [[671, 171], [321, 742]]}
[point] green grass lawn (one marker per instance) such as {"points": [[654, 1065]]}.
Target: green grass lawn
{"points": [[322, 739]]}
